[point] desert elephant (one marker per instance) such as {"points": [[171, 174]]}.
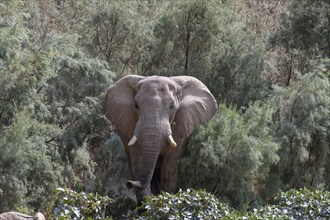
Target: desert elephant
{"points": [[154, 116], [20, 216]]}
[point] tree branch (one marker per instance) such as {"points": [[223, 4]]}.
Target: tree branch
{"points": [[130, 57]]}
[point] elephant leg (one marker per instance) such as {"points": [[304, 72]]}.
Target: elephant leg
{"points": [[169, 174]]}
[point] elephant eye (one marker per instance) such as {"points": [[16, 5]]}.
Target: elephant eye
{"points": [[172, 107], [136, 106]]}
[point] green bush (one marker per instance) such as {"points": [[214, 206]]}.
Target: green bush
{"points": [[232, 154], [198, 204], [298, 204], [74, 205], [190, 204], [121, 207]]}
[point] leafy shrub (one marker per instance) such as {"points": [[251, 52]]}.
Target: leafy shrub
{"points": [[198, 204], [74, 205], [232, 155], [297, 204], [190, 204], [121, 207]]}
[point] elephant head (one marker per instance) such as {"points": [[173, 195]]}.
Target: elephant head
{"points": [[154, 116]]}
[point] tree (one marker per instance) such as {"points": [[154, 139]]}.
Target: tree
{"points": [[231, 156], [27, 168], [118, 33], [303, 35], [302, 128], [49, 108], [183, 38]]}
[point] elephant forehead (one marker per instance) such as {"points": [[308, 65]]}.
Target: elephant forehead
{"points": [[158, 84], [159, 93], [155, 93], [159, 80]]}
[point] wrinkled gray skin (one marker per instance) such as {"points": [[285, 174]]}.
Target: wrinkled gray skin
{"points": [[151, 109], [20, 216]]}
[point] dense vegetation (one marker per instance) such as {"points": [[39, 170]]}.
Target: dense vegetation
{"points": [[192, 204], [198, 204], [266, 62]]}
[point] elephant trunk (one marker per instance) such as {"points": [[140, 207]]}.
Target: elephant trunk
{"points": [[133, 184], [148, 140], [142, 169]]}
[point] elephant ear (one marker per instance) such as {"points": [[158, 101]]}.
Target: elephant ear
{"points": [[119, 104], [197, 105]]}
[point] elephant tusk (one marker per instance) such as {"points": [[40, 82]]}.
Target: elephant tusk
{"points": [[171, 141], [132, 141]]}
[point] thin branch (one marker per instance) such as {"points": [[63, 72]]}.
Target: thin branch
{"points": [[130, 57], [99, 43], [296, 98], [274, 6], [40, 88], [50, 140], [328, 34]]}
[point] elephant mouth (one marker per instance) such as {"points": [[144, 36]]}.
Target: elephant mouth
{"points": [[169, 139]]}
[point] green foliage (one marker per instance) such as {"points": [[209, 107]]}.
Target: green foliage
{"points": [[27, 168], [205, 40], [109, 177], [49, 107], [198, 204], [296, 204], [190, 204], [121, 208], [305, 203], [302, 36], [64, 203], [306, 27], [119, 33], [73, 205], [238, 64], [302, 127], [58, 57], [232, 153], [184, 35]]}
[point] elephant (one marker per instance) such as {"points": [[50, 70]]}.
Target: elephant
{"points": [[153, 116], [20, 216]]}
